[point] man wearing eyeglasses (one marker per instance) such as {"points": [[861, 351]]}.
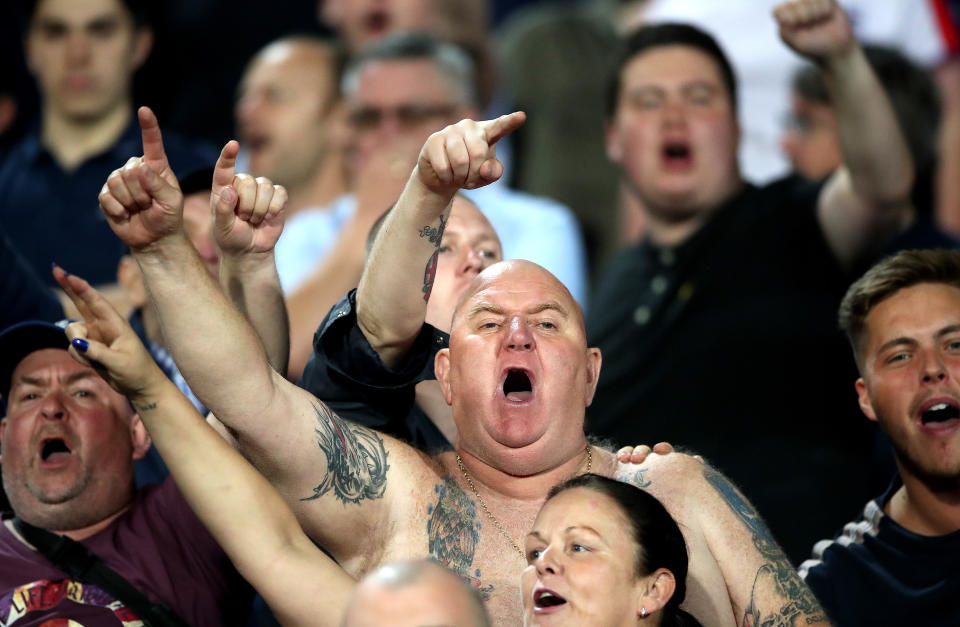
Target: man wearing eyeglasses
{"points": [[396, 93]]}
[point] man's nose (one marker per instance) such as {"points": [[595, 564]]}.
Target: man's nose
{"points": [[933, 368], [77, 50], [472, 262], [519, 336], [53, 407]]}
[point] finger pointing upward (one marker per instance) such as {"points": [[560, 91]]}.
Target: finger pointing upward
{"points": [[153, 152], [223, 172], [496, 129]]}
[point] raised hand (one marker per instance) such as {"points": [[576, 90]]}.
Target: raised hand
{"points": [[814, 28], [463, 155], [248, 212], [103, 339], [142, 200]]}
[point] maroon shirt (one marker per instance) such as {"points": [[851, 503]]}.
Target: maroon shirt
{"points": [[158, 545]]}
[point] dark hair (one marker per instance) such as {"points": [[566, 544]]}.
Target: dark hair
{"points": [[911, 90], [892, 274], [659, 541], [667, 34], [140, 12]]}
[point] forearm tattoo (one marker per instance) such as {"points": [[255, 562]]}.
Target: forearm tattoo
{"points": [[356, 459], [453, 531], [800, 600], [435, 236]]}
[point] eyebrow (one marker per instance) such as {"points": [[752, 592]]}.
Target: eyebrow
{"points": [[71, 378], [485, 307], [909, 341], [536, 534]]}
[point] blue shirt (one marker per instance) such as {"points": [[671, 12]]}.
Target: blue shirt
{"points": [[876, 572], [54, 216]]}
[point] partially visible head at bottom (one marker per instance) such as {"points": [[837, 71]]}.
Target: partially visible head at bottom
{"points": [[415, 593], [581, 571]]}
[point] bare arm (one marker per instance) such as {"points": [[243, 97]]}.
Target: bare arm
{"points": [[298, 443], [948, 168], [396, 283], [866, 201], [736, 566], [248, 273], [246, 516]]}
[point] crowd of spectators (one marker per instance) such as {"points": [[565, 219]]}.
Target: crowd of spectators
{"points": [[462, 251]]}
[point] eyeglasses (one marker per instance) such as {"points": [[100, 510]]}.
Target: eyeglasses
{"points": [[406, 116]]}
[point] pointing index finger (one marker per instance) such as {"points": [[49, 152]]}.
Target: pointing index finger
{"points": [[153, 151], [226, 164], [495, 130]]}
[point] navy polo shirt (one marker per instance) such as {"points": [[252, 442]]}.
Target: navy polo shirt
{"points": [[53, 215]]}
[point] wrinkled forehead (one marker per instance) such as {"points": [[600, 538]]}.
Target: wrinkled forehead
{"points": [[517, 280], [53, 366]]}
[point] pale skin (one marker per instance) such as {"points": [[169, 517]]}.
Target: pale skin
{"points": [[369, 499]]}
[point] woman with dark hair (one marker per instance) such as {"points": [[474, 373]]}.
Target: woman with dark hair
{"points": [[581, 571]]}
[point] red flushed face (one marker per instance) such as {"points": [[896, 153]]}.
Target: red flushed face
{"points": [[674, 134], [518, 372], [69, 443], [911, 377], [582, 564]]}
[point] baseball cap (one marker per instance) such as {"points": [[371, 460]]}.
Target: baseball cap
{"points": [[21, 339]]}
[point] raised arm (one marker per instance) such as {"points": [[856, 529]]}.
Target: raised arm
{"points": [[246, 516], [866, 201], [333, 475], [247, 229], [396, 283]]}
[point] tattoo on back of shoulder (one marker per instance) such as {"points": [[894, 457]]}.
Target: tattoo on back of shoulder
{"points": [[800, 600], [435, 236], [356, 459], [453, 532]]}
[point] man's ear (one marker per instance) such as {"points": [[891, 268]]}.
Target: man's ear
{"points": [[139, 437], [130, 279], [864, 398], [3, 427], [142, 45], [655, 590], [594, 360], [441, 367]]}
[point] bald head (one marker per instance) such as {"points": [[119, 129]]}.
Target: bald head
{"points": [[515, 273], [287, 94], [414, 593]]}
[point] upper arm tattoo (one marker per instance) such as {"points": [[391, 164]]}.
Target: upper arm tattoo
{"points": [[434, 235], [453, 532], [356, 459], [800, 600]]}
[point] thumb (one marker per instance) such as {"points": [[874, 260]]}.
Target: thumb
{"points": [[162, 192], [224, 206]]}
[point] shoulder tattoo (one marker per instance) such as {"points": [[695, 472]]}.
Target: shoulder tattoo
{"points": [[800, 602], [356, 459], [453, 531]]}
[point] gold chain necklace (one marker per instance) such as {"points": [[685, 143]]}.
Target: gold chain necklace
{"points": [[490, 515]]}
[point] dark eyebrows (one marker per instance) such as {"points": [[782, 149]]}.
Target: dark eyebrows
{"points": [[897, 341], [953, 328]]}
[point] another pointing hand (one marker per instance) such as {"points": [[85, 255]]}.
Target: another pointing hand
{"points": [[463, 155], [142, 200]]}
